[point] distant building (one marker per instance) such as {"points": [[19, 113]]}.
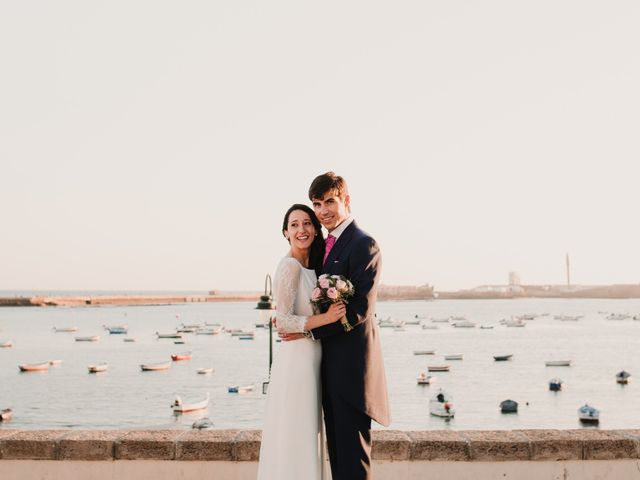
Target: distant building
{"points": [[514, 278]]}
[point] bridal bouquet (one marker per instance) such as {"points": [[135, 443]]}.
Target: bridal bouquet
{"points": [[332, 289]]}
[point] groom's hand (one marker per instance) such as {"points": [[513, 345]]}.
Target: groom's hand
{"points": [[287, 337]]}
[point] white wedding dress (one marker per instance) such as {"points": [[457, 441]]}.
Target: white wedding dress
{"points": [[291, 435]]}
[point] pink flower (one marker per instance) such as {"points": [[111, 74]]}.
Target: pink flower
{"points": [[332, 293], [341, 285], [315, 295], [324, 282]]}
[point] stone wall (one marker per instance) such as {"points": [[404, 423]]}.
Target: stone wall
{"points": [[233, 454]]}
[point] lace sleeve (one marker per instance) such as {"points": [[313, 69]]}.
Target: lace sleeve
{"points": [[287, 280]]}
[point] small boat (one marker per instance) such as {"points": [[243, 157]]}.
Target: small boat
{"points": [[399, 328], [6, 343], [215, 324], [455, 356], [194, 326], [65, 329], [169, 335], [555, 384], [181, 356], [242, 333], [415, 321], [390, 322], [209, 331], [588, 414], [458, 318], [34, 367], [424, 379], [440, 405], [179, 342], [503, 358], [55, 362], [92, 338], [429, 327], [623, 377], [149, 367], [179, 407], [509, 406], [129, 339], [568, 318], [240, 389], [464, 324], [486, 327], [527, 316], [424, 352], [440, 320], [117, 329], [6, 414], [245, 337], [515, 322], [618, 316], [558, 363], [205, 371], [100, 367], [186, 330], [438, 368]]}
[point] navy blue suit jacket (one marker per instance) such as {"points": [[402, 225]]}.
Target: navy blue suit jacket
{"points": [[352, 365]]}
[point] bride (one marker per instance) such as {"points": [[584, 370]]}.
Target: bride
{"points": [[291, 449]]}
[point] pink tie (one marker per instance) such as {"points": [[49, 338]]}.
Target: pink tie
{"points": [[328, 245]]}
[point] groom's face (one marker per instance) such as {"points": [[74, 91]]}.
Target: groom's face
{"points": [[332, 209]]}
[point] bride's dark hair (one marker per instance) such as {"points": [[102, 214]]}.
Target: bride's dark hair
{"points": [[316, 252]]}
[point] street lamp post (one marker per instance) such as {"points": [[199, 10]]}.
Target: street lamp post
{"points": [[265, 311]]}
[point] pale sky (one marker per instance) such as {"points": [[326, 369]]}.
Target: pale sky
{"points": [[155, 145]]}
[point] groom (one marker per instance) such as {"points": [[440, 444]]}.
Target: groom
{"points": [[354, 388]]}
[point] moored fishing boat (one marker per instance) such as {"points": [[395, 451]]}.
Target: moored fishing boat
{"points": [[623, 377], [558, 363], [91, 338], [6, 414], [438, 368], [181, 356], [454, 356], [588, 414], [555, 384], [240, 389], [6, 343], [503, 358], [424, 379], [34, 367], [150, 367], [441, 405], [65, 329], [205, 370], [424, 352], [179, 407], [509, 406], [100, 367]]}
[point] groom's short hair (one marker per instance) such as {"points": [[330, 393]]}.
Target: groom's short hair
{"points": [[328, 182]]}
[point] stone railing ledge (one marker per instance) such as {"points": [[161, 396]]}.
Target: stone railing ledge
{"points": [[88, 445], [497, 445], [246, 446], [147, 445], [390, 445], [207, 445], [31, 445], [439, 445]]}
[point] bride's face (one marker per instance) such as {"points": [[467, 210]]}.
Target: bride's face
{"points": [[300, 230]]}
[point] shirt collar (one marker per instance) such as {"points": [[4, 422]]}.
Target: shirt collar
{"points": [[342, 227]]}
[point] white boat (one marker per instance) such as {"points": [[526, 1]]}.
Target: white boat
{"points": [[515, 322], [149, 367], [390, 322], [192, 325], [209, 331], [441, 405], [92, 338], [424, 352], [100, 367], [568, 318], [430, 327], [179, 407], [6, 414], [205, 370], [440, 320], [415, 321], [242, 333], [116, 329], [588, 414], [623, 377], [34, 367], [6, 343], [55, 362], [527, 316], [486, 327], [455, 318], [464, 324], [240, 389], [129, 339], [558, 363], [618, 316], [65, 329], [168, 335], [438, 368], [424, 379], [453, 356]]}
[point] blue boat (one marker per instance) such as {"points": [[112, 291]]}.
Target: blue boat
{"points": [[555, 384]]}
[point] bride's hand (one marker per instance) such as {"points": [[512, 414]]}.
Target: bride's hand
{"points": [[336, 312]]}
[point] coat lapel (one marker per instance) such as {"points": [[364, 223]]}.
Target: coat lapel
{"points": [[342, 241]]}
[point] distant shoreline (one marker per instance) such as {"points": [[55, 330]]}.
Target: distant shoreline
{"points": [[385, 293]]}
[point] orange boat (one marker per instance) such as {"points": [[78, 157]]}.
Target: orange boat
{"points": [[181, 356]]}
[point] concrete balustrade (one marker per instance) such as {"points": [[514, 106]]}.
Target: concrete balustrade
{"points": [[233, 454]]}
